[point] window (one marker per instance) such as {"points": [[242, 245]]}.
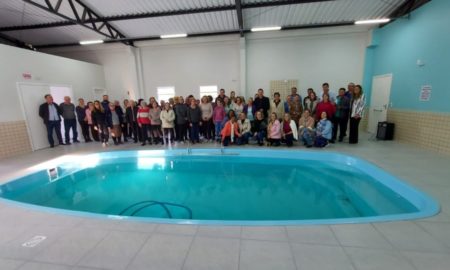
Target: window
{"points": [[210, 90], [165, 92]]}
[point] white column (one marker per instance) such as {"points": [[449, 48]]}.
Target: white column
{"points": [[243, 67]]}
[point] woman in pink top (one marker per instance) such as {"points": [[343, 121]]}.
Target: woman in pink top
{"points": [[88, 119], [218, 116], [274, 130]]}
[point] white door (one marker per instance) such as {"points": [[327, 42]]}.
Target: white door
{"points": [[31, 97], [58, 93], [379, 102]]}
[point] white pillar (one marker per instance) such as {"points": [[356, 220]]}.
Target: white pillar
{"points": [[243, 67]]}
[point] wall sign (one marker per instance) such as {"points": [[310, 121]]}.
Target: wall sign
{"points": [[425, 93], [27, 76]]}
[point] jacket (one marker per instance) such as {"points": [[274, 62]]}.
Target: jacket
{"points": [[100, 118], [218, 114], [327, 107], [324, 129], [155, 116], [194, 115], [44, 112], [358, 106], [274, 130], [259, 125], [262, 104], [226, 131], [131, 114], [143, 116], [278, 109], [181, 113], [293, 127], [167, 118], [244, 127]]}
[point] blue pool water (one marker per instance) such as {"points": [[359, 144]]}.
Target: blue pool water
{"points": [[236, 186]]}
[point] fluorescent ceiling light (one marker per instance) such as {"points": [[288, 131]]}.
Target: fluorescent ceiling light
{"points": [[271, 28], [373, 21], [90, 42], [174, 36]]}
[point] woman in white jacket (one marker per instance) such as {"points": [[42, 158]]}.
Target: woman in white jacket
{"points": [[168, 122], [289, 130]]}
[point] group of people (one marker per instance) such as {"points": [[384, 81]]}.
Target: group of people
{"points": [[313, 121]]}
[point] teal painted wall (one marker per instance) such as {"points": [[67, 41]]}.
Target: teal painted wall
{"points": [[425, 36]]}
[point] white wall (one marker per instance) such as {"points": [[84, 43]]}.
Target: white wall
{"points": [[213, 61], [333, 55], [312, 56], [118, 64], [44, 68]]}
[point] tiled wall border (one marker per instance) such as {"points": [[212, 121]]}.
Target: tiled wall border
{"points": [[14, 139], [425, 129]]}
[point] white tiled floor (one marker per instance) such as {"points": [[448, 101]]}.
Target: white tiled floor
{"points": [[88, 243]]}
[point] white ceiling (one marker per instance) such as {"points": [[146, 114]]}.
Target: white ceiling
{"points": [[19, 13]]}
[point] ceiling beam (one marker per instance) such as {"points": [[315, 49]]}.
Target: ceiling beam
{"points": [[145, 15], [240, 17], [234, 32], [78, 19], [16, 42]]}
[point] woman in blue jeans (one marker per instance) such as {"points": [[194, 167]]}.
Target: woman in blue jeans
{"points": [[323, 131]]}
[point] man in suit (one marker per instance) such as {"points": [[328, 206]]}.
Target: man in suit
{"points": [[51, 114]]}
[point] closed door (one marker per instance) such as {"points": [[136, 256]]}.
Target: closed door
{"points": [[379, 102], [32, 96]]}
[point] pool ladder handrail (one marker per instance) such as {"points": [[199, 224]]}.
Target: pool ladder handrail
{"points": [[149, 203]]}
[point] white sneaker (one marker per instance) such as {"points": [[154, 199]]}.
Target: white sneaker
{"points": [[104, 144]]}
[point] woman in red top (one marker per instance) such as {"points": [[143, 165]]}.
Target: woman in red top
{"points": [[143, 119], [325, 106], [230, 132]]}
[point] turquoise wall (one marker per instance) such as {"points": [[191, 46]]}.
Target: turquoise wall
{"points": [[398, 46]]}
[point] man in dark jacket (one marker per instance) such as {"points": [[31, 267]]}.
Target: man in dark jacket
{"points": [[51, 114], [81, 116], [131, 116], [262, 103]]}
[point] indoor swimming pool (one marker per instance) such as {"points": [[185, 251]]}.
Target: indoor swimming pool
{"points": [[216, 186]]}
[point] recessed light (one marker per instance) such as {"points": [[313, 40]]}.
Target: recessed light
{"points": [[373, 21], [270, 28], [174, 36], [91, 42]]}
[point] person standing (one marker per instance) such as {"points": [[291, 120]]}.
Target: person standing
{"points": [[181, 110], [81, 116], [131, 115], [116, 123], [262, 103], [50, 112], [143, 119], [326, 90], [101, 119], [105, 102], [89, 111], [350, 90], [70, 120], [357, 110], [277, 106], [194, 116], [167, 123], [341, 115]]}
